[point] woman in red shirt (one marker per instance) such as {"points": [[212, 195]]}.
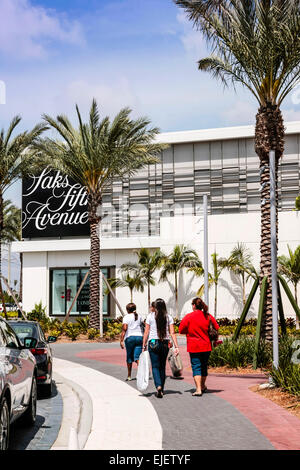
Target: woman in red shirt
{"points": [[195, 326]]}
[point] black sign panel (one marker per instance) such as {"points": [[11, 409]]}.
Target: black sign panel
{"points": [[53, 205]]}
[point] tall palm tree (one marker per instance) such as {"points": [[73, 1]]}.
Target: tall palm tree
{"points": [[290, 268], [93, 155], [213, 278], [148, 262], [17, 158], [240, 263], [12, 229], [180, 258], [133, 282], [255, 44]]}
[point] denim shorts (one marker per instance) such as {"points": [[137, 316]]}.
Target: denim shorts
{"points": [[199, 363], [133, 346]]}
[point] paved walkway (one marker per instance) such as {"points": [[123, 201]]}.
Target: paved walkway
{"points": [[45, 431], [229, 417]]}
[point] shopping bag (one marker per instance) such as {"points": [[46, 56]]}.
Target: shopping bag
{"points": [[142, 378], [175, 363]]}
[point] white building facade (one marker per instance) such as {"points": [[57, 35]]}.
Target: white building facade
{"points": [[162, 206]]}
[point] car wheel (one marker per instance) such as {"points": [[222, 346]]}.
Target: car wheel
{"points": [[30, 414], [4, 425], [47, 390]]}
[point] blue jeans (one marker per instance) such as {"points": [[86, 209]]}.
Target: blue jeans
{"points": [[133, 346], [158, 354], [199, 363]]}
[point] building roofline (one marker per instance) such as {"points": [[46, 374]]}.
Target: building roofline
{"points": [[221, 133]]}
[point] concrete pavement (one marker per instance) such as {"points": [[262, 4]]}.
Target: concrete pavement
{"points": [[229, 417]]}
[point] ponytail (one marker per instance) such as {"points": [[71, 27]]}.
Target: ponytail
{"points": [[200, 305], [131, 308]]}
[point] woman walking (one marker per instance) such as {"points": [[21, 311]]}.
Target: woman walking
{"points": [[158, 327], [133, 335], [195, 326]]}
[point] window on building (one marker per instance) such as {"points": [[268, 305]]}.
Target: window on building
{"points": [[64, 284]]}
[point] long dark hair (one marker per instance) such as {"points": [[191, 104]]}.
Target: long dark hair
{"points": [[200, 305], [161, 316], [131, 308]]}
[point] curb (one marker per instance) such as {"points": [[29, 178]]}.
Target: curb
{"points": [[84, 424]]}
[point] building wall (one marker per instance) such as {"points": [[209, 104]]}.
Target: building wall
{"points": [[224, 232]]}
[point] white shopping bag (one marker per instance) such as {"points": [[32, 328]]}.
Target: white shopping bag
{"points": [[142, 378]]}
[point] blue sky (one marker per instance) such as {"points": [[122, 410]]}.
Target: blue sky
{"points": [[137, 53]]}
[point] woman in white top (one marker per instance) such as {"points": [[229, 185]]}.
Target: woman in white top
{"points": [[133, 335], [158, 326]]}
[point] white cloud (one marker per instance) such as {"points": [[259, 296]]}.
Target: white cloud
{"points": [[192, 39], [291, 114], [239, 113], [27, 30]]}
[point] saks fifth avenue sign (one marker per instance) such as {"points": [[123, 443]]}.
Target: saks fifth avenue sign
{"points": [[53, 205]]}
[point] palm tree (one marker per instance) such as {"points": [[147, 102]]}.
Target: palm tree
{"points": [[148, 263], [240, 263], [255, 44], [17, 158], [180, 258], [93, 155], [289, 266], [12, 229], [135, 282], [213, 278]]}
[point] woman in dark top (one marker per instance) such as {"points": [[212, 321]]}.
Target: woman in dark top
{"points": [[195, 326]]}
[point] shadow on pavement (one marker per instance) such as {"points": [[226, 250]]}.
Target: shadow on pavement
{"points": [[211, 390], [22, 436]]}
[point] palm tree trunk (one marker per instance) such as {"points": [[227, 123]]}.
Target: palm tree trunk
{"points": [[94, 219], [149, 298], [244, 289], [176, 295], [216, 300], [296, 299], [269, 135], [131, 296]]}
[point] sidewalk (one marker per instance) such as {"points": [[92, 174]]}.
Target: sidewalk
{"points": [[229, 417]]}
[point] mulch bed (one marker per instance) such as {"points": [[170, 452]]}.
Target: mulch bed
{"points": [[224, 370], [83, 339], [282, 398]]}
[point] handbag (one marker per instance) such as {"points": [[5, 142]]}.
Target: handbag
{"points": [[212, 332], [142, 377], [175, 363]]}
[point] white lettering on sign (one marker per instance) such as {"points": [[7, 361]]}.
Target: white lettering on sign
{"points": [[65, 203]]}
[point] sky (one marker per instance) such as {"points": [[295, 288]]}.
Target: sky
{"points": [[136, 53]]}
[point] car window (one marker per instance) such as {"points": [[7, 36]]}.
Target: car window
{"points": [[23, 330], [42, 334], [9, 336]]}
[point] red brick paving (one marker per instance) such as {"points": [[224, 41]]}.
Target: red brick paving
{"points": [[275, 423]]}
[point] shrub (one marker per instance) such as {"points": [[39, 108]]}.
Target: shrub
{"points": [[83, 324], [113, 329], [92, 333], [72, 331], [239, 353], [287, 376]]}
